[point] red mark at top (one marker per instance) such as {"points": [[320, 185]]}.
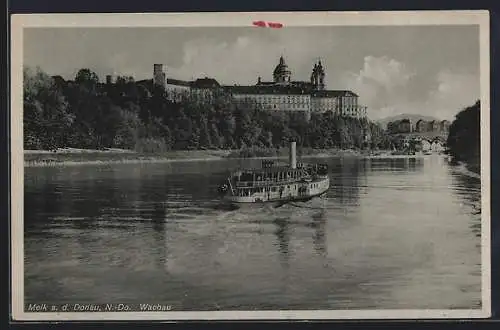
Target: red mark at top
{"points": [[268, 24], [275, 25]]}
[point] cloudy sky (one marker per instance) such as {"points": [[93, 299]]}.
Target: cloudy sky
{"points": [[429, 70]]}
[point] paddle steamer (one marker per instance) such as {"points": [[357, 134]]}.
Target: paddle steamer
{"points": [[276, 184]]}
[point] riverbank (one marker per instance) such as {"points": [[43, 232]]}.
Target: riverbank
{"points": [[473, 166], [470, 168], [72, 156], [465, 170]]}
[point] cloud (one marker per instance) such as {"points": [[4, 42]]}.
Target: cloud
{"points": [[454, 92], [224, 61], [383, 72], [405, 80], [248, 56], [388, 87], [382, 83]]}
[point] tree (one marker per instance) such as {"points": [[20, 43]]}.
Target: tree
{"points": [[216, 138], [194, 139], [46, 115], [129, 114], [205, 139], [127, 130], [228, 128], [463, 140], [86, 77], [345, 135]]}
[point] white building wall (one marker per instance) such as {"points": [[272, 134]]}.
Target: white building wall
{"points": [[202, 94], [284, 102], [345, 106], [177, 92], [323, 104]]}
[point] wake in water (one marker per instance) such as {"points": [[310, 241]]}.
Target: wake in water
{"points": [[213, 212]]}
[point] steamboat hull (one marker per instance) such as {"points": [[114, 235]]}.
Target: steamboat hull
{"points": [[276, 184], [267, 204], [279, 195]]}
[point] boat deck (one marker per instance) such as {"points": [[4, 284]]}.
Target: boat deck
{"points": [[277, 183]]}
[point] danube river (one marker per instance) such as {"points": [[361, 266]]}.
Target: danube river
{"points": [[390, 233]]}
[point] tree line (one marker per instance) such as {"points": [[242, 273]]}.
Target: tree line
{"points": [[85, 113], [464, 139]]}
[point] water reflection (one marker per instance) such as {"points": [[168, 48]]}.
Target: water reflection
{"points": [[282, 233], [344, 178], [159, 219], [468, 190], [396, 165], [159, 216], [395, 229], [319, 236], [349, 175]]}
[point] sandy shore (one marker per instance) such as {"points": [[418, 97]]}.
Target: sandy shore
{"points": [[73, 157], [109, 162], [77, 151]]}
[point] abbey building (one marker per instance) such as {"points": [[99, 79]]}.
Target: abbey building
{"points": [[280, 94]]}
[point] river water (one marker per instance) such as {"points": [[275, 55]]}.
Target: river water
{"points": [[390, 233]]}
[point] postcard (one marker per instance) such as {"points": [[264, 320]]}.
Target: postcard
{"points": [[250, 166]]}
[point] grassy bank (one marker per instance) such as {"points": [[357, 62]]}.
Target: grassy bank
{"points": [[36, 158], [68, 157], [316, 153], [284, 153]]}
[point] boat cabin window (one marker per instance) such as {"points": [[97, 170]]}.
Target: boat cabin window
{"points": [[246, 177]]}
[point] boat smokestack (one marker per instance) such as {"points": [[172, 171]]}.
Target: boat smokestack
{"points": [[293, 154]]}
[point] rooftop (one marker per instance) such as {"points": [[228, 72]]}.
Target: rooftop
{"points": [[268, 89], [178, 82], [295, 88], [333, 93], [205, 83]]}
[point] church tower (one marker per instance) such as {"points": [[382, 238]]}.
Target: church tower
{"points": [[314, 76], [281, 73], [159, 75], [321, 74], [318, 76]]}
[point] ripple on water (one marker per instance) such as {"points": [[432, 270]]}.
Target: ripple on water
{"points": [[392, 234]]}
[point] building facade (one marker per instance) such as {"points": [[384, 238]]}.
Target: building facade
{"points": [[281, 94], [400, 126], [421, 126]]}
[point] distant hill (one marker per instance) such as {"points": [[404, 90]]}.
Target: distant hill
{"points": [[414, 118]]}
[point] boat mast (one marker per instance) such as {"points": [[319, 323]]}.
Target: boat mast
{"points": [[293, 156], [230, 186]]}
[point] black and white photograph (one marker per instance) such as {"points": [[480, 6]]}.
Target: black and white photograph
{"points": [[205, 166]]}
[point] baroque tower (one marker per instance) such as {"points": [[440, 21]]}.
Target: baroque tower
{"points": [[318, 76], [321, 76], [281, 73]]}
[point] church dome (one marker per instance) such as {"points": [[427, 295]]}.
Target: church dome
{"points": [[281, 67], [281, 72]]}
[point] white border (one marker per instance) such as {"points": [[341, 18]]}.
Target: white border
{"points": [[18, 22]]}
